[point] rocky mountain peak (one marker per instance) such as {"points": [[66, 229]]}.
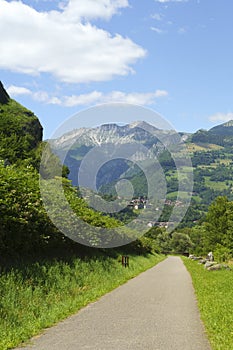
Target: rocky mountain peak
{"points": [[229, 123], [141, 124], [108, 127]]}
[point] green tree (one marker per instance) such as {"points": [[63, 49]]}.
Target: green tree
{"points": [[216, 224], [228, 241], [181, 243], [23, 221], [197, 234], [163, 241]]}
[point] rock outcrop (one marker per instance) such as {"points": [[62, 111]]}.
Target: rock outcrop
{"points": [[4, 97], [217, 267], [209, 265]]}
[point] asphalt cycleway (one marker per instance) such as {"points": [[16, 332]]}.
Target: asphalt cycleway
{"points": [[156, 310]]}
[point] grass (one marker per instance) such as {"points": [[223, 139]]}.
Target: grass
{"points": [[224, 161], [182, 195], [193, 147], [214, 292], [186, 169], [215, 185], [38, 295]]}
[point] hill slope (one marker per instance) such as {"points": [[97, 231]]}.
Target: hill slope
{"points": [[225, 129], [20, 129], [220, 135]]}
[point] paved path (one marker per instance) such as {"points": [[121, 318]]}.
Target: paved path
{"points": [[154, 311]]}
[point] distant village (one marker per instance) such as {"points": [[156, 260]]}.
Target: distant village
{"points": [[143, 203], [139, 203]]}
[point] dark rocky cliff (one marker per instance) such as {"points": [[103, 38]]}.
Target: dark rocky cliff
{"points": [[4, 97]]}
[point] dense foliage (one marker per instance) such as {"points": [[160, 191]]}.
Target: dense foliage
{"points": [[213, 233], [20, 132], [23, 220], [24, 224]]}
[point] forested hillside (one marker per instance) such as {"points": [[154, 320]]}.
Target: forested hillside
{"points": [[24, 223], [20, 130], [212, 168]]}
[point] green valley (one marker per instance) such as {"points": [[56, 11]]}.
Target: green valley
{"points": [[45, 275]]}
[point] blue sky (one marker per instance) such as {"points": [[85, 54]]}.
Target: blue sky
{"points": [[173, 56]]}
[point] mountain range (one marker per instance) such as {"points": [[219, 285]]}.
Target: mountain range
{"points": [[139, 131], [73, 146]]}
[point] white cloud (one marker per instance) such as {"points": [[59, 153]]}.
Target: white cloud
{"points": [[40, 96], [18, 90], [166, 1], [182, 30], [54, 101], [90, 9], [221, 117], [63, 43], [83, 99], [94, 97], [157, 30], [157, 17], [97, 97]]}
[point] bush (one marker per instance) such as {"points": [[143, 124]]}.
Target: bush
{"points": [[222, 254], [181, 243]]}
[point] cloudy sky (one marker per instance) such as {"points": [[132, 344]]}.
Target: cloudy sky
{"points": [[173, 56]]}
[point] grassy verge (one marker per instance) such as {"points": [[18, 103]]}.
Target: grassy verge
{"points": [[214, 290], [40, 294]]}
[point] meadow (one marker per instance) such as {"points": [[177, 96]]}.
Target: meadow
{"points": [[214, 294]]}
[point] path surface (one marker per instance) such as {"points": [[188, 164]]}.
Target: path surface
{"points": [[154, 311]]}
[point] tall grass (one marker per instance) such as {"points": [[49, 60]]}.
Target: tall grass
{"points": [[214, 290], [38, 295]]}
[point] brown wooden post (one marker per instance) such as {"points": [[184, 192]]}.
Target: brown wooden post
{"points": [[125, 261]]}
